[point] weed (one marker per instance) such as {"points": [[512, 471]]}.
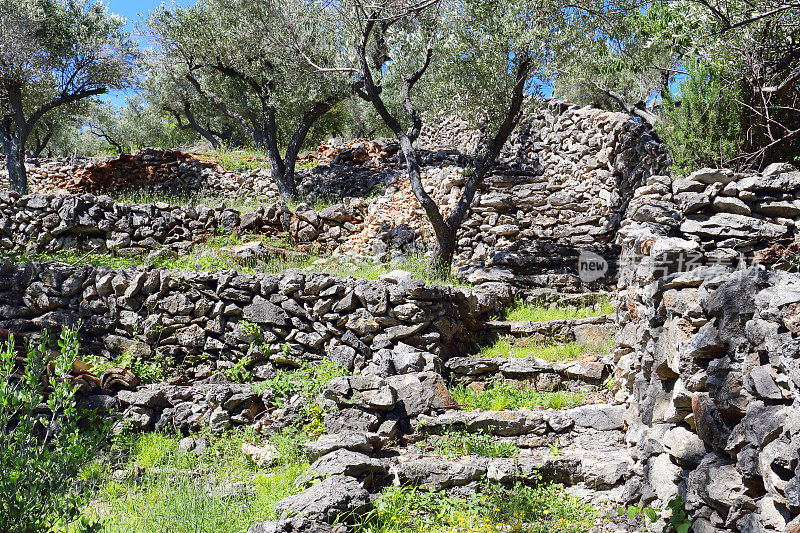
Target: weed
{"points": [[539, 509], [675, 516], [307, 381], [239, 373], [175, 491], [240, 159], [454, 444], [555, 449], [539, 311], [549, 352], [504, 396]]}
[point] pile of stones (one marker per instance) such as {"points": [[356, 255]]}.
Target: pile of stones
{"points": [[149, 171], [708, 349]]}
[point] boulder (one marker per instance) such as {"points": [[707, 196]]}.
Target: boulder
{"points": [[334, 498]]}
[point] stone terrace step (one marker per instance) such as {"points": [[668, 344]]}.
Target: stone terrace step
{"points": [[599, 469], [543, 374], [513, 423], [590, 330]]}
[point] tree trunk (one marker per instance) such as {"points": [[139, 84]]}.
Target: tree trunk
{"points": [[286, 186], [204, 133], [15, 162], [441, 263]]}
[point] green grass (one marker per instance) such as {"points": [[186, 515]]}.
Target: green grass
{"points": [[240, 159], [504, 396], [416, 264], [537, 312], [210, 256], [549, 352], [455, 444], [542, 509], [175, 498]]}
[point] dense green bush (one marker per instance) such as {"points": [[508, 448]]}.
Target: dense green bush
{"points": [[702, 126], [42, 446]]}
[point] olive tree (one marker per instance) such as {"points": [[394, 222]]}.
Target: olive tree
{"points": [[137, 124], [54, 53], [479, 57], [250, 60], [168, 89]]}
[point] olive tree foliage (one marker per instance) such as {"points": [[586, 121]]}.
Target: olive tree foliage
{"points": [[168, 89], [54, 53], [43, 439], [757, 45], [630, 63], [446, 56], [744, 56], [251, 62], [53, 135]]}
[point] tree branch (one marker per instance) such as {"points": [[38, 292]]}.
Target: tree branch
{"points": [[62, 100], [495, 146]]}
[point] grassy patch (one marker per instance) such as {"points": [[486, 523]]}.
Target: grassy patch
{"points": [[240, 159], [540, 509], [139, 196], [504, 396], [172, 493], [537, 312], [455, 444], [416, 264], [211, 256], [548, 352], [208, 256]]}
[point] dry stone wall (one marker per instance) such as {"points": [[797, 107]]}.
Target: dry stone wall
{"points": [[205, 322], [709, 348], [47, 223], [561, 187]]}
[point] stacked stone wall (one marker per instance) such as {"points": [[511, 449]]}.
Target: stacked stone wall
{"points": [[708, 351], [40, 223], [561, 187], [203, 322]]}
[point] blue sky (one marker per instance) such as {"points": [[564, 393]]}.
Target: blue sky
{"points": [[134, 11]]}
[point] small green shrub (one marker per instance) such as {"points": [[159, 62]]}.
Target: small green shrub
{"points": [[676, 519], [239, 373], [703, 128], [307, 381], [42, 445]]}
